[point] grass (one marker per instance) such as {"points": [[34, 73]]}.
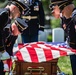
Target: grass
{"points": [[64, 65]]}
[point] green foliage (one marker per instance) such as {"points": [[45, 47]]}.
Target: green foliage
{"points": [[46, 6], [55, 23], [2, 0], [3, 3], [74, 1], [49, 38]]}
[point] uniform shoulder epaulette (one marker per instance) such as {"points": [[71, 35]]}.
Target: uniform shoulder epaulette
{"points": [[74, 12]]}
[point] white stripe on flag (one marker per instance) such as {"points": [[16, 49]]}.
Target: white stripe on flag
{"points": [[25, 54], [15, 49], [40, 54], [55, 53], [68, 51], [43, 46]]}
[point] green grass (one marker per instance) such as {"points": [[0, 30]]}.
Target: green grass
{"points": [[64, 65]]}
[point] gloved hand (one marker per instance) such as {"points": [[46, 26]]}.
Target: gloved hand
{"points": [[41, 28]]}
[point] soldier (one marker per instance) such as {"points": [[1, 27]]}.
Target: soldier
{"points": [[8, 34], [35, 20], [68, 11], [55, 11], [16, 9]]}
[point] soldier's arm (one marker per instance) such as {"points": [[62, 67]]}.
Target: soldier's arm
{"points": [[74, 18], [4, 16], [2, 48], [41, 16]]}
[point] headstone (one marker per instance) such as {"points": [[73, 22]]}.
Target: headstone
{"points": [[57, 35], [42, 36]]}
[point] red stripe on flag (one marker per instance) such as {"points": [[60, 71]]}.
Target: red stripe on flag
{"points": [[20, 45], [62, 53], [48, 54], [19, 56], [34, 46], [33, 54], [9, 62]]}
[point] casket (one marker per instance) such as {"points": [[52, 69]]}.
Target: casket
{"points": [[43, 68], [40, 57]]}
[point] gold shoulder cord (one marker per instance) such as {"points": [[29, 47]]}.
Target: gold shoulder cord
{"points": [[20, 5]]}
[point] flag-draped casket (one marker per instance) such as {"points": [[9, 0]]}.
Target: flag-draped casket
{"points": [[39, 57], [41, 51]]}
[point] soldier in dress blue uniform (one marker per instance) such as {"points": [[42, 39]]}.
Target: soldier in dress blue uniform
{"points": [[8, 34], [68, 11], [35, 20]]}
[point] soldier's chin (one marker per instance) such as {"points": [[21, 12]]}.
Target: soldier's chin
{"points": [[57, 16]]}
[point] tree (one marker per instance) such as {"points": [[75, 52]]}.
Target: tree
{"points": [[3, 3], [2, 0], [47, 11]]}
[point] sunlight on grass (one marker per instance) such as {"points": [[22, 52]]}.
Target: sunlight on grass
{"points": [[64, 65]]}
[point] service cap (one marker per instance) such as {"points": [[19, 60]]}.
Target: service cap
{"points": [[19, 4], [21, 24], [60, 3]]}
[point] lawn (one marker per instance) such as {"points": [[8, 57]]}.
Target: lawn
{"points": [[64, 65]]}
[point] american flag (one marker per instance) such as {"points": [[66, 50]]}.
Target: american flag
{"points": [[41, 51]]}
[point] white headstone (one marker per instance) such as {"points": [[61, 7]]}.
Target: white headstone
{"points": [[42, 36], [57, 35]]}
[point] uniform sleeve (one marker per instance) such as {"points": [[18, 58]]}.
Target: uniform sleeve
{"points": [[74, 21], [41, 17], [2, 48], [74, 16], [4, 16], [10, 43], [3, 20], [9, 39]]}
